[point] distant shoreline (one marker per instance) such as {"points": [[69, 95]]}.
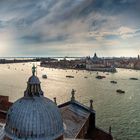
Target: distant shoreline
{"points": [[5, 61], [35, 59]]}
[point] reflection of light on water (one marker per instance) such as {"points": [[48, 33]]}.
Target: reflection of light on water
{"points": [[111, 108], [130, 97], [134, 121]]}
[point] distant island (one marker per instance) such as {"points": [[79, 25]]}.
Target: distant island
{"points": [[92, 63]]}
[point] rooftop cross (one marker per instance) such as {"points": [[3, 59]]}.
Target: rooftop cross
{"points": [[33, 69]]}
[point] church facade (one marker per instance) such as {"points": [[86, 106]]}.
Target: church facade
{"points": [[99, 64]]}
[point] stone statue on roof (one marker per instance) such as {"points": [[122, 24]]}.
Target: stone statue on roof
{"points": [[33, 69]]}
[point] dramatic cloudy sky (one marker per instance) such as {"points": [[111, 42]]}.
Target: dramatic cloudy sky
{"points": [[69, 27]]}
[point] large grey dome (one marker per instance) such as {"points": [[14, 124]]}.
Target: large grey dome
{"points": [[34, 117]]}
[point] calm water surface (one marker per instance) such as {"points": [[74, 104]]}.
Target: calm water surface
{"points": [[121, 111]]}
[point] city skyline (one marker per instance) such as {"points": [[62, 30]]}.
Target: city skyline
{"points": [[69, 28]]}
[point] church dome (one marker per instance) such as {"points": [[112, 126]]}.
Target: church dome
{"points": [[34, 117]]}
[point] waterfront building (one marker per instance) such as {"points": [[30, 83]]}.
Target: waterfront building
{"points": [[137, 65], [35, 117], [99, 64]]}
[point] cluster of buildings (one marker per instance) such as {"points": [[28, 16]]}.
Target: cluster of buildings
{"points": [[99, 64], [110, 64], [35, 117], [63, 63], [89, 63], [129, 63], [94, 63]]}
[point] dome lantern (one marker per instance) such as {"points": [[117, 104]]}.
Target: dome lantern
{"points": [[33, 85]]}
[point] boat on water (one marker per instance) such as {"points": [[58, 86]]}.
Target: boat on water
{"points": [[113, 82], [100, 77], [133, 78], [120, 91], [44, 76], [69, 76]]}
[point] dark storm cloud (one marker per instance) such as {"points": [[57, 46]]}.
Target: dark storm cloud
{"points": [[25, 13], [40, 39]]}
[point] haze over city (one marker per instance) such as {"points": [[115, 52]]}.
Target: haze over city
{"points": [[69, 27]]}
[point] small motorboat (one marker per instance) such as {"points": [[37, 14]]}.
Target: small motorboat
{"points": [[133, 78], [100, 77], [69, 76], [113, 82], [120, 91], [44, 76]]}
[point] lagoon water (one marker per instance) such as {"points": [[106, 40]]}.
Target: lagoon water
{"points": [[120, 111]]}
